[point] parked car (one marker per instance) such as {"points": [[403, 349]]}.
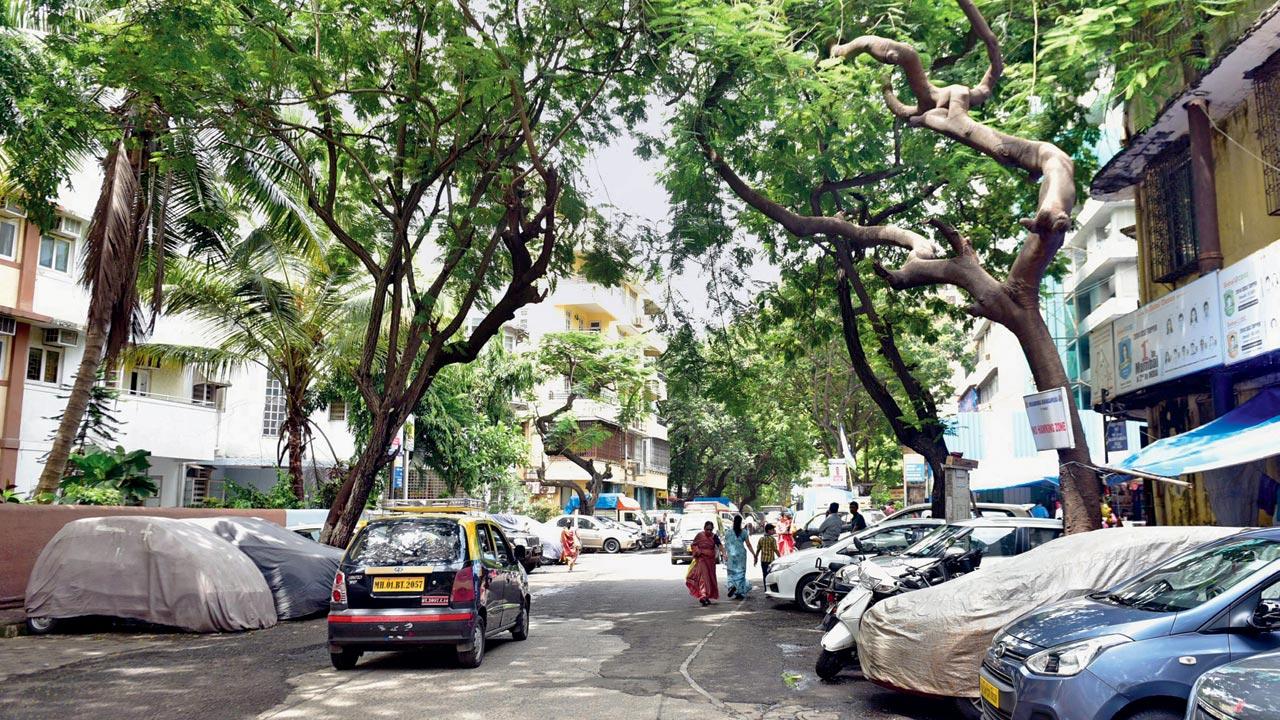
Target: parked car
{"points": [[418, 581], [1242, 690], [690, 525], [309, 531], [933, 640], [599, 534], [518, 530], [298, 571], [1136, 649], [640, 521], [791, 577], [157, 570], [920, 510]]}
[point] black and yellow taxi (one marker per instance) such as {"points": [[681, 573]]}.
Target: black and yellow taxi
{"points": [[427, 577]]}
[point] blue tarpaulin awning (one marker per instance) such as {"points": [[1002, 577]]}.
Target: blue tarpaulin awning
{"points": [[1250, 432], [607, 501]]}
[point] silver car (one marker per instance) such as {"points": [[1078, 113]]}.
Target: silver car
{"points": [[596, 534]]}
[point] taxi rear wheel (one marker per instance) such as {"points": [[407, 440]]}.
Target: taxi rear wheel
{"points": [[472, 654], [344, 659]]}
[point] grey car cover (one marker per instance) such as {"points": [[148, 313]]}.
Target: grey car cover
{"points": [[159, 570], [298, 571], [933, 640]]}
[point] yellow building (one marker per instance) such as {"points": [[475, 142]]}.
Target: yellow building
{"points": [[1202, 161]]}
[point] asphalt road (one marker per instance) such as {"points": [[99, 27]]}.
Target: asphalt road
{"points": [[618, 638]]}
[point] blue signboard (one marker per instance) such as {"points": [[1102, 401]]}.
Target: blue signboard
{"points": [[397, 477], [1117, 436]]}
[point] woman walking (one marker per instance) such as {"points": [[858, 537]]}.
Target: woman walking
{"points": [[701, 578], [569, 543], [736, 546], [786, 540]]}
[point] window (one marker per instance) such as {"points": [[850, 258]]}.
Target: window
{"points": [[1039, 536], [585, 524], [55, 253], [196, 486], [273, 410], [4, 357], [70, 226], [500, 546], [1266, 95], [1171, 215], [564, 522], [509, 341], [43, 365], [486, 543], [8, 238], [205, 394], [338, 411], [139, 381], [408, 542]]}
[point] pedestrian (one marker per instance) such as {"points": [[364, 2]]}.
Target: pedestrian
{"points": [[736, 546], [857, 523], [832, 525], [1039, 511], [701, 578], [662, 530], [1057, 509], [786, 540], [767, 551], [570, 545]]}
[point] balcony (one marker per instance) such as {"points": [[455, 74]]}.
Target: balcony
{"points": [[1109, 310], [1101, 259]]}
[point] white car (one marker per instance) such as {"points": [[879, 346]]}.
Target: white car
{"points": [[600, 533], [791, 576]]}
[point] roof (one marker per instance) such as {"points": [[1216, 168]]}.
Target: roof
{"points": [[1225, 85]]}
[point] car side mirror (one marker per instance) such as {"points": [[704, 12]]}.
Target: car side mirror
{"points": [[1267, 615], [953, 552], [520, 552]]}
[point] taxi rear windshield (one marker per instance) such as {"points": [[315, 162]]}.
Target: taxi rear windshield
{"points": [[408, 542]]}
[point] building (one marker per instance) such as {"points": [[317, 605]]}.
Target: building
{"points": [[200, 431], [639, 455], [1201, 164]]}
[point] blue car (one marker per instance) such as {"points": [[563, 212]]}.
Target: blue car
{"points": [[1133, 652]]}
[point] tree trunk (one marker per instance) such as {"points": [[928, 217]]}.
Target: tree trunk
{"points": [[55, 465], [1081, 495], [295, 444], [343, 517]]}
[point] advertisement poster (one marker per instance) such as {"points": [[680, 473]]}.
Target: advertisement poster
{"points": [[1251, 305], [1102, 362], [1175, 335]]}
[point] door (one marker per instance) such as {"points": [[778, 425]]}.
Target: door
{"points": [[494, 584], [1246, 643], [514, 596], [590, 533]]}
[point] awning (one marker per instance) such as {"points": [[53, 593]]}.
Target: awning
{"points": [[607, 501], [1248, 433]]}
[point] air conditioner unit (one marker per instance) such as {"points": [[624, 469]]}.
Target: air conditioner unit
{"points": [[8, 325], [13, 208], [69, 227], [61, 336]]}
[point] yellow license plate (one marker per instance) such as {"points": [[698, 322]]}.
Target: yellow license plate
{"points": [[399, 584], [990, 692]]}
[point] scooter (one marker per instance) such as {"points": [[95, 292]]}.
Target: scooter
{"points": [[876, 582]]}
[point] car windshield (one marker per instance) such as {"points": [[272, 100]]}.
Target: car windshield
{"points": [[999, 540], [692, 524], [1188, 581], [407, 542]]}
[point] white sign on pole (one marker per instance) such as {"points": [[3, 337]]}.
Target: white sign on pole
{"points": [[1251, 304], [1050, 419]]}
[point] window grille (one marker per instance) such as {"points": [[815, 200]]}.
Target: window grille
{"points": [[1266, 97], [1170, 215], [273, 410]]}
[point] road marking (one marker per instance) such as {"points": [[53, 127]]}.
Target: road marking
{"points": [[684, 666]]}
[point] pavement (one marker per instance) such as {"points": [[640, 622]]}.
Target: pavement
{"points": [[618, 638]]}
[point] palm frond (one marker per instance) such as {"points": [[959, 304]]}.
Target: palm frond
{"points": [[209, 361]]}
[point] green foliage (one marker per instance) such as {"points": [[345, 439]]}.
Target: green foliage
{"points": [[108, 477], [10, 495], [543, 509], [100, 424], [597, 368], [279, 497]]}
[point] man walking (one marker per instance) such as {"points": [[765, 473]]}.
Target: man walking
{"points": [[856, 521]]}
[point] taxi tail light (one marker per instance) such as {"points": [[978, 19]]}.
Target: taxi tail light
{"points": [[339, 594], [464, 587]]}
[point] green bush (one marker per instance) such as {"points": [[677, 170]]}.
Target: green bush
{"points": [[107, 477], [543, 510], [85, 495], [279, 497]]}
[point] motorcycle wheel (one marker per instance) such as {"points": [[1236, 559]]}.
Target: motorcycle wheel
{"points": [[830, 663]]}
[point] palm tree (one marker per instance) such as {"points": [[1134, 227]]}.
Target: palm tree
{"points": [[281, 305]]}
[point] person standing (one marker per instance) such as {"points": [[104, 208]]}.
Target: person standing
{"points": [[570, 545], [736, 546], [857, 522], [766, 551], [662, 530], [832, 525], [1039, 511], [786, 540], [701, 578]]}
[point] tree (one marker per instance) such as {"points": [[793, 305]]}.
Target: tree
{"points": [[610, 373], [775, 108], [282, 303]]}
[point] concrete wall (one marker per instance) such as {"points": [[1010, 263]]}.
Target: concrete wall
{"points": [[24, 531]]}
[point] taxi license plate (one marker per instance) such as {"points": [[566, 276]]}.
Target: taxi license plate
{"points": [[399, 584], [990, 692]]}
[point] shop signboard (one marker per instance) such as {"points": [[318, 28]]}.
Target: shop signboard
{"points": [[1251, 305], [1175, 335], [1117, 432], [1049, 414], [1102, 362], [915, 470]]}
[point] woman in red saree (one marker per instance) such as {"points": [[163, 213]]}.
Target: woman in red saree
{"points": [[701, 578], [786, 540], [569, 543]]}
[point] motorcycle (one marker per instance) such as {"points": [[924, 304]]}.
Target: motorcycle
{"points": [[872, 582]]}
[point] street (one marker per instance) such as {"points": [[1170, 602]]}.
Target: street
{"points": [[619, 638]]}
